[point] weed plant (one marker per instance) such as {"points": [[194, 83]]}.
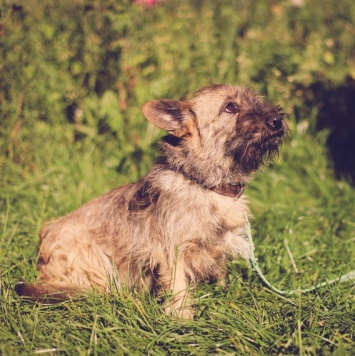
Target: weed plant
{"points": [[73, 75]]}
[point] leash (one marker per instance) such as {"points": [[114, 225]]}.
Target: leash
{"points": [[348, 277]]}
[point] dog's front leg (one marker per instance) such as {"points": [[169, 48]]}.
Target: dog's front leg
{"points": [[174, 281]]}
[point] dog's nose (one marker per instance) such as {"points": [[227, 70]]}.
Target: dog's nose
{"points": [[275, 122]]}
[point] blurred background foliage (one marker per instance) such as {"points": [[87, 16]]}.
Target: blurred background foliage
{"points": [[73, 75], [83, 68]]}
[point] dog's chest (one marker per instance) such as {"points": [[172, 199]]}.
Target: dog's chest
{"points": [[211, 233], [221, 230], [185, 216], [203, 217]]}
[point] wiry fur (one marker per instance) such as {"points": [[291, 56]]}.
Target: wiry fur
{"points": [[171, 229]]}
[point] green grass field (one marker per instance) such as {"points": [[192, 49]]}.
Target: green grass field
{"points": [[73, 75]]}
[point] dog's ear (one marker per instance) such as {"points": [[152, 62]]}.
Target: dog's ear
{"points": [[170, 115]]}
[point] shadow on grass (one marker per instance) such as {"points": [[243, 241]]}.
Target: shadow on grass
{"points": [[337, 114]]}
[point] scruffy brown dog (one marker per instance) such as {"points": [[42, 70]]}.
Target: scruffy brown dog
{"points": [[179, 223]]}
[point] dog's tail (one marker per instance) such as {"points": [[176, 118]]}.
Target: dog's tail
{"points": [[45, 292]]}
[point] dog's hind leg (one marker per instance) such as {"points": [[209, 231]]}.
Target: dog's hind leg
{"points": [[70, 263]]}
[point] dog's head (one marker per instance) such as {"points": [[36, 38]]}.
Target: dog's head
{"points": [[221, 136]]}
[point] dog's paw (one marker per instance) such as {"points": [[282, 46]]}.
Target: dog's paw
{"points": [[184, 312]]}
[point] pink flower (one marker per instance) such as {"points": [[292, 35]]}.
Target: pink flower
{"points": [[146, 3]]}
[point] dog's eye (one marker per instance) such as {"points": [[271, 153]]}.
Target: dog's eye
{"points": [[231, 108]]}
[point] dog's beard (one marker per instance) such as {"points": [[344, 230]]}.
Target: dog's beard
{"points": [[250, 154]]}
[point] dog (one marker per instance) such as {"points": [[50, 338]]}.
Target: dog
{"points": [[178, 225]]}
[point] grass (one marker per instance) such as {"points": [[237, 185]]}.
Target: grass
{"points": [[71, 130]]}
